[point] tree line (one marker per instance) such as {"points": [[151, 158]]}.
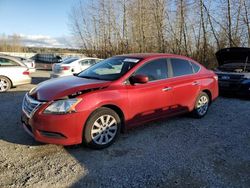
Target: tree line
{"points": [[195, 28], [13, 43]]}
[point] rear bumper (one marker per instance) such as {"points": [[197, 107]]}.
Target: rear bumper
{"points": [[25, 80], [32, 70]]}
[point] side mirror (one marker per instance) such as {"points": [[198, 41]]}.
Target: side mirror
{"points": [[138, 79]]}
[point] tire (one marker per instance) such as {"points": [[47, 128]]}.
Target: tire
{"points": [[5, 84], [102, 128], [201, 105]]}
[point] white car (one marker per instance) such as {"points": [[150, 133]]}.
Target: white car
{"points": [[12, 73], [71, 66], [30, 63]]}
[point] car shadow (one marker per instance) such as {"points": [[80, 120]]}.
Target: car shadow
{"points": [[37, 80], [11, 129], [234, 96], [137, 153]]}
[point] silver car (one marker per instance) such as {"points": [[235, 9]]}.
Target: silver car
{"points": [[12, 73], [72, 65]]}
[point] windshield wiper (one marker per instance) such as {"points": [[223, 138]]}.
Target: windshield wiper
{"points": [[90, 77]]}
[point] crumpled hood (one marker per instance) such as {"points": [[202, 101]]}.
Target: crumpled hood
{"points": [[60, 87], [233, 55]]}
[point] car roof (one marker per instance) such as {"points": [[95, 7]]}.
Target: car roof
{"points": [[16, 59], [154, 55], [87, 58]]}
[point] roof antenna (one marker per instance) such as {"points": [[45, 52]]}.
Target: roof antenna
{"points": [[245, 66]]}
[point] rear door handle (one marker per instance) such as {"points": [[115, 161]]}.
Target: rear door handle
{"points": [[195, 83], [167, 89]]}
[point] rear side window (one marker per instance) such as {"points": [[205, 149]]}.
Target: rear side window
{"points": [[195, 67], [155, 70], [88, 62], [98, 60], [7, 63], [181, 67]]}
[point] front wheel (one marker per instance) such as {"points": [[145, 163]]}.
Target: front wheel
{"points": [[201, 105], [102, 128]]}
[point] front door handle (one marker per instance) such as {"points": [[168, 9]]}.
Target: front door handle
{"points": [[195, 83], [167, 89]]}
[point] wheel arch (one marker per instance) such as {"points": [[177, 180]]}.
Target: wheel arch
{"points": [[120, 113], [11, 83], [209, 93]]}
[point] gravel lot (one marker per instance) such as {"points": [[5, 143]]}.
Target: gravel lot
{"points": [[177, 152]]}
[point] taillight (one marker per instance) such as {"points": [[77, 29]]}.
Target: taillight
{"points": [[65, 68], [215, 77], [26, 72]]}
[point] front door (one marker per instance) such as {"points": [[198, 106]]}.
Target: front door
{"points": [[150, 100]]}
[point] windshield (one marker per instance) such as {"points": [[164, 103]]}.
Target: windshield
{"points": [[68, 61], [110, 69]]}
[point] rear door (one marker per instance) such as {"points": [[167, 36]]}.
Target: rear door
{"points": [[185, 83], [150, 100]]}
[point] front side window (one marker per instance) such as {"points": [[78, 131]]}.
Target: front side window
{"points": [[155, 70], [181, 67], [110, 69], [7, 62]]}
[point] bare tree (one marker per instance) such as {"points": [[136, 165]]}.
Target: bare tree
{"points": [[108, 27]]}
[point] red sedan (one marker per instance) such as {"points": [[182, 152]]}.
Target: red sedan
{"points": [[116, 94]]}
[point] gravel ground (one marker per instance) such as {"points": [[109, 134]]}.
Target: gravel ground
{"points": [[177, 152]]}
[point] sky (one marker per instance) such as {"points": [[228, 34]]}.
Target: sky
{"points": [[43, 23]]}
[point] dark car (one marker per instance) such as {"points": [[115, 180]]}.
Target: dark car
{"points": [[234, 70]]}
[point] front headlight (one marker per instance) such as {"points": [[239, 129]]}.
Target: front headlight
{"points": [[62, 106]]}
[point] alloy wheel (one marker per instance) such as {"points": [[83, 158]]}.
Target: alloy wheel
{"points": [[104, 129], [4, 84], [202, 105]]}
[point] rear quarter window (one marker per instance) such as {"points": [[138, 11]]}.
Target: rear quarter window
{"points": [[195, 67]]}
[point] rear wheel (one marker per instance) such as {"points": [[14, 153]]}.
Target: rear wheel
{"points": [[5, 84], [201, 105], [102, 128]]}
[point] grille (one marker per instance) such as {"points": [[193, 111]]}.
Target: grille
{"points": [[30, 105]]}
